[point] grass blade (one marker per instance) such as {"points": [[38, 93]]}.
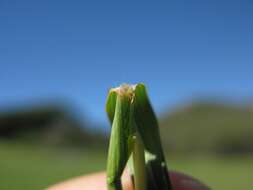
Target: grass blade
{"points": [[147, 126]]}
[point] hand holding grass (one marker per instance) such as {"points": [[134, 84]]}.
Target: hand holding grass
{"points": [[97, 181], [135, 141]]}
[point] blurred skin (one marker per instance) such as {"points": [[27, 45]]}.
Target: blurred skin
{"points": [[97, 181]]}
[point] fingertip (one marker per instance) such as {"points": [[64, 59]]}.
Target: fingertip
{"points": [[182, 181]]}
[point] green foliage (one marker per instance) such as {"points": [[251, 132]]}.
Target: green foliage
{"points": [[135, 130], [50, 124], [120, 146]]}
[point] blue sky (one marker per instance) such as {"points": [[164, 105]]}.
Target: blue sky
{"points": [[77, 50]]}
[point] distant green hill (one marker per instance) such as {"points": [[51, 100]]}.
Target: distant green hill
{"points": [[51, 124], [208, 127], [198, 127]]}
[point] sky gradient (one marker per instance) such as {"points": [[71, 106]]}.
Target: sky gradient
{"points": [[77, 50]]}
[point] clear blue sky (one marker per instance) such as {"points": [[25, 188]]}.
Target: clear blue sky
{"points": [[78, 49]]}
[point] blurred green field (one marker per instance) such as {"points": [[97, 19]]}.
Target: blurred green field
{"points": [[28, 167]]}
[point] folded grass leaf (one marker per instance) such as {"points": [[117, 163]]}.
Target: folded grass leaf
{"points": [[135, 133]]}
